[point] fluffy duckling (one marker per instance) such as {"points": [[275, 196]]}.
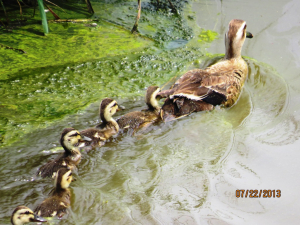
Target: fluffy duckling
{"points": [[23, 214], [142, 119], [57, 204], [219, 84], [70, 140], [106, 129]]}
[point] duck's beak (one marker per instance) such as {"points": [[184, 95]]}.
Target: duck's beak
{"points": [[249, 35], [84, 138], [37, 219]]}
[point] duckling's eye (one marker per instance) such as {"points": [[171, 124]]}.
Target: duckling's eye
{"points": [[73, 135], [115, 105], [27, 212]]}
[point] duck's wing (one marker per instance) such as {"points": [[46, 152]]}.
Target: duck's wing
{"points": [[189, 77], [214, 87], [210, 88], [199, 85]]}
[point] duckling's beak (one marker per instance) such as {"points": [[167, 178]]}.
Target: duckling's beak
{"points": [[84, 138], [37, 219], [249, 35], [158, 97], [120, 107]]}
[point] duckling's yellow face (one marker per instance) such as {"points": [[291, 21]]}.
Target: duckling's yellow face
{"points": [[22, 215], [151, 99], [72, 139], [110, 110], [66, 179], [64, 176]]}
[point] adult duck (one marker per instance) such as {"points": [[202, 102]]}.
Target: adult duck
{"points": [[219, 84]]}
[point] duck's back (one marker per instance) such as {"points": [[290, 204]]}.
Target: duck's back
{"points": [[219, 84], [232, 75]]}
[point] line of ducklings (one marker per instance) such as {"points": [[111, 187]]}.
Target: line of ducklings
{"points": [[73, 142], [197, 90]]}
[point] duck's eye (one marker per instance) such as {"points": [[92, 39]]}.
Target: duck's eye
{"points": [[27, 212], [115, 105]]}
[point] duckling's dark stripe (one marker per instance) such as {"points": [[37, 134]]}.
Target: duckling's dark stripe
{"points": [[73, 135]]}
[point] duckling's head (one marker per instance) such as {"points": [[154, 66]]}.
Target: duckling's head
{"points": [[235, 37], [151, 97], [70, 139], [63, 178], [23, 214], [108, 108]]}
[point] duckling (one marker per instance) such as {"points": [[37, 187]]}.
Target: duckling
{"points": [[219, 84], [23, 214], [57, 204], [142, 119], [103, 131], [70, 140]]}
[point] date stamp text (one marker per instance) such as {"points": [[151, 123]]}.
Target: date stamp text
{"points": [[242, 193]]}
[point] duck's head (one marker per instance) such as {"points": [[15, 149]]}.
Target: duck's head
{"points": [[70, 139], [63, 178], [235, 37], [151, 97], [108, 108], [23, 214]]}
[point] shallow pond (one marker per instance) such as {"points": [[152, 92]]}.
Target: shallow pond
{"points": [[186, 171]]}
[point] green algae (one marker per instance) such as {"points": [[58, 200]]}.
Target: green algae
{"points": [[207, 36]]}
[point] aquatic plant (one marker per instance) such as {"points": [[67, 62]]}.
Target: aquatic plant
{"points": [[44, 17]]}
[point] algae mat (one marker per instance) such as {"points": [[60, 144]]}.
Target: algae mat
{"points": [[73, 43]]}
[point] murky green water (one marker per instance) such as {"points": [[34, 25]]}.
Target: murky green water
{"points": [[183, 172]]}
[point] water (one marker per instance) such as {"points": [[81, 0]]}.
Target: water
{"points": [[264, 152], [186, 171]]}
